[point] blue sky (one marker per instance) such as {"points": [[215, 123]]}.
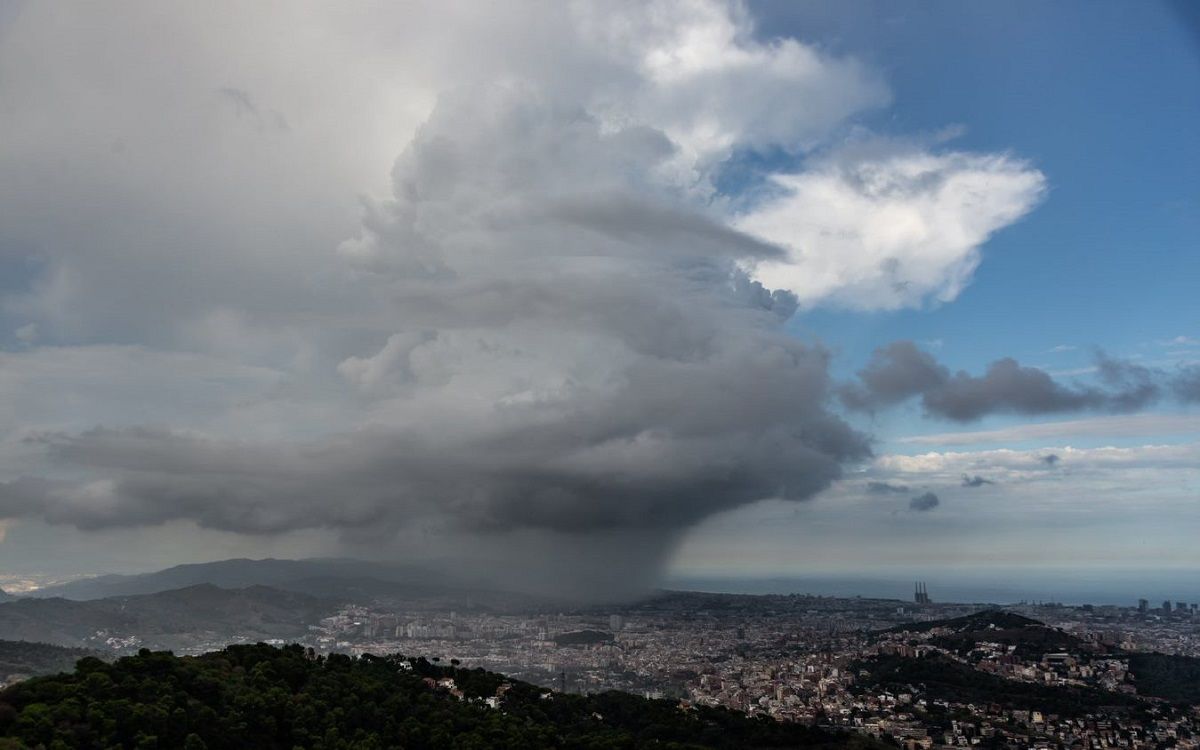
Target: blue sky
{"points": [[502, 285], [1102, 100]]}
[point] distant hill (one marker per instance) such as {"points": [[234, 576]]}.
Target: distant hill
{"points": [[1170, 677], [279, 699], [986, 619], [946, 679], [5, 596], [176, 619], [337, 578], [1031, 637], [230, 574], [20, 659]]}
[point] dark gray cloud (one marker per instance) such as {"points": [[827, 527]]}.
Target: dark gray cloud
{"points": [[900, 371], [895, 373], [974, 481], [243, 105], [1006, 387], [1186, 385], [1051, 459], [590, 475], [1131, 386], [886, 488], [925, 502]]}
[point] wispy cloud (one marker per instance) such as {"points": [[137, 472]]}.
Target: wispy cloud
{"points": [[974, 481], [1130, 425], [950, 467], [1073, 372]]}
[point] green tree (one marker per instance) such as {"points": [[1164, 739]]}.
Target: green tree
{"points": [[193, 742]]}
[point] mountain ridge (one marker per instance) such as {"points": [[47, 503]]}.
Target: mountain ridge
{"points": [[183, 618], [335, 577]]}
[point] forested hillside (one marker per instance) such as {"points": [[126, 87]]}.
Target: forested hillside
{"points": [[263, 697], [23, 659]]}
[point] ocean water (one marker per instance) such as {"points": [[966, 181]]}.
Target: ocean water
{"points": [[994, 585]]}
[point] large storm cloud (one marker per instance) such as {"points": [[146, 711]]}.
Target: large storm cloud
{"points": [[552, 366], [546, 341]]}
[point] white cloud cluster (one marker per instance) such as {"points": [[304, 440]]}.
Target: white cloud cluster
{"points": [[958, 461], [890, 228], [712, 87], [1050, 464]]}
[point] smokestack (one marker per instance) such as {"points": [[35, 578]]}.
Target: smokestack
{"points": [[920, 593]]}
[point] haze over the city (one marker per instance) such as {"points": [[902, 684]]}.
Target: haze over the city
{"points": [[587, 298]]}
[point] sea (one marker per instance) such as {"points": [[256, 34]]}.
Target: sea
{"points": [[1100, 586]]}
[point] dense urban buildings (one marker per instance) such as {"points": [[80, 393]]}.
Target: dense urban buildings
{"points": [[1067, 677]]}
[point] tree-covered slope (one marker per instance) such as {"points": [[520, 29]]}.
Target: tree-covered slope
{"points": [[1174, 678], [986, 619], [945, 679], [23, 659], [1030, 637], [262, 697]]}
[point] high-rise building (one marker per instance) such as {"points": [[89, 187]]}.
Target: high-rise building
{"points": [[1143, 605], [1166, 606], [615, 623]]}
